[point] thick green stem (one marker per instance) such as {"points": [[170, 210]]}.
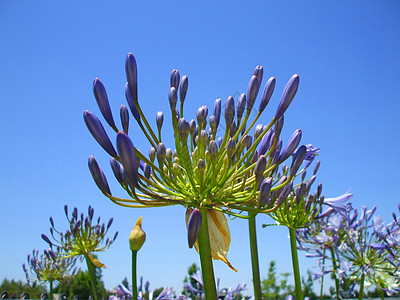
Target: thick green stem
{"points": [[134, 281], [295, 262], [254, 257], [335, 267], [92, 277], [321, 291], [210, 290], [361, 292], [51, 290]]}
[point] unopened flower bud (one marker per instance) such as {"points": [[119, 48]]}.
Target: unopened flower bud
{"points": [[173, 98], [204, 137], [168, 154], [201, 116], [258, 130], [288, 95], [98, 176], [265, 188], [318, 163], [183, 86], [137, 236], [265, 142], [124, 114], [192, 125], [217, 110], [291, 146], [241, 105], [147, 171], [230, 147], [284, 193], [131, 103], [161, 153], [252, 91], [152, 154], [229, 111], [267, 93], [175, 78], [201, 165], [184, 129], [260, 167], [258, 71], [233, 128], [298, 159], [100, 94], [194, 225], [159, 120], [213, 150], [126, 152], [97, 130], [131, 75], [47, 240], [213, 124]]}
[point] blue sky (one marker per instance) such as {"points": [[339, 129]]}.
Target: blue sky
{"points": [[347, 56]]}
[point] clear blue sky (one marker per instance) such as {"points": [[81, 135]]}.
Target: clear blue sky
{"points": [[348, 103]]}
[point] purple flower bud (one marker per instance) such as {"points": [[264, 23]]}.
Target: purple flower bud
{"points": [[258, 130], [124, 113], [90, 212], [147, 171], [252, 91], [265, 142], [131, 103], [100, 94], [319, 190], [298, 159], [161, 153], [66, 210], [192, 125], [173, 98], [175, 78], [284, 194], [75, 213], [316, 167], [47, 240], [230, 147], [213, 124], [194, 225], [131, 75], [291, 146], [217, 110], [260, 167], [118, 171], [152, 154], [159, 120], [98, 175], [51, 222], [246, 141], [213, 150], [183, 86], [201, 116], [126, 152], [98, 132], [258, 71], [288, 95], [267, 93], [204, 137], [264, 191], [184, 129], [229, 111], [201, 165], [109, 223], [241, 105], [233, 128], [219, 141], [278, 126]]}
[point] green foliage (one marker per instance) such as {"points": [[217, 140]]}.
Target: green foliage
{"points": [[16, 288], [274, 287], [80, 285], [188, 278], [307, 286]]}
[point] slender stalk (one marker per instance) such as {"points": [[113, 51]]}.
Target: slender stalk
{"points": [[92, 277], [51, 290], [334, 264], [361, 292], [210, 290], [321, 291], [134, 276], [254, 257], [295, 262]]}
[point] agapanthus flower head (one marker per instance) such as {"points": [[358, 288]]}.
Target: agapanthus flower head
{"points": [[83, 238]]}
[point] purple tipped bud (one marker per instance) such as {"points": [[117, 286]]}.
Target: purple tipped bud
{"points": [[267, 93], [66, 210], [173, 98], [298, 159], [316, 167], [260, 167], [264, 191], [183, 86], [219, 141], [201, 165], [51, 222], [229, 111], [252, 91], [258, 71], [217, 110], [152, 154], [204, 137], [147, 171], [131, 103], [47, 240], [201, 116], [124, 113], [284, 194], [233, 128], [109, 223], [310, 182], [213, 124], [98, 132], [75, 213], [194, 225], [175, 78], [265, 142], [192, 125], [279, 126], [291, 146], [184, 129], [161, 152], [159, 120], [126, 152], [241, 105], [100, 94], [246, 141], [168, 154], [213, 150], [258, 130], [98, 176], [230, 147], [90, 212], [319, 190], [131, 75], [288, 95], [118, 171]]}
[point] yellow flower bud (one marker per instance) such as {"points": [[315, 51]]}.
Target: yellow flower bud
{"points": [[137, 236]]}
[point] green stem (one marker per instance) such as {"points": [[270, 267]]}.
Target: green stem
{"points": [[92, 277], [322, 278], [361, 292], [210, 290], [254, 257], [51, 290], [295, 262], [334, 274], [134, 276]]}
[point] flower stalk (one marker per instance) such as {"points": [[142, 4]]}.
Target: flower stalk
{"points": [[295, 263], [254, 257]]}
